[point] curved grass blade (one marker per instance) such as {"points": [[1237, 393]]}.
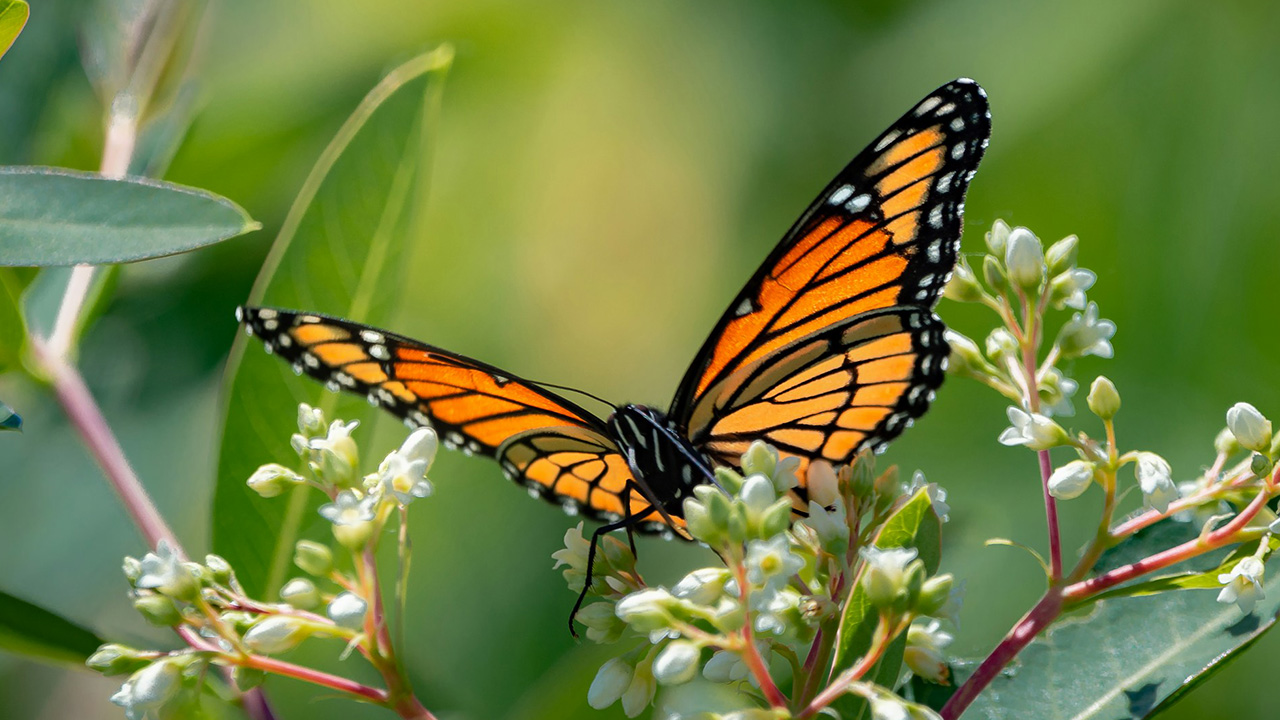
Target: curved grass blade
{"points": [[54, 216], [1133, 656], [338, 252], [33, 632]]}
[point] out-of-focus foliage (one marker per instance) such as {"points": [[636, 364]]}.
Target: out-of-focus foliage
{"points": [[608, 175]]}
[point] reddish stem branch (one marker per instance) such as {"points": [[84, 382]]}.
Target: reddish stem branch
{"points": [[1036, 620], [1224, 535], [87, 418], [750, 653]]}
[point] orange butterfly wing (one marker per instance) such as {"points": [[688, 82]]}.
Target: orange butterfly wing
{"points": [[884, 233], [557, 450]]}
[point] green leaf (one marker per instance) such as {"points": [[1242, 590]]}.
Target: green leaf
{"points": [[9, 420], [13, 17], [1207, 580], [915, 525], [33, 632], [54, 216], [1134, 656], [338, 252], [13, 329]]}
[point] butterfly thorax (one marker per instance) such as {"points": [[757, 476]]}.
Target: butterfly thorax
{"points": [[659, 455]]}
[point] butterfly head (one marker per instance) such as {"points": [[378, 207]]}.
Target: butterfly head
{"points": [[659, 454]]}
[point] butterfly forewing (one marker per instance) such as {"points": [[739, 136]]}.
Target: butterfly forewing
{"points": [[558, 450], [884, 233]]}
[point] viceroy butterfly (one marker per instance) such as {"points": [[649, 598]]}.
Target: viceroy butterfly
{"points": [[830, 348]]}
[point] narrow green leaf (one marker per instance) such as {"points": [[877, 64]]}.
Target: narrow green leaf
{"points": [[13, 17], [13, 330], [1207, 580], [338, 252], [9, 420], [1134, 656], [33, 632], [915, 525], [54, 216]]}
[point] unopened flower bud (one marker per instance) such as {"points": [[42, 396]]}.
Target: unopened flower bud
{"points": [[300, 593], [1001, 344], [963, 285], [149, 689], [610, 683], [158, 610], [114, 659], [935, 594], [993, 274], [1071, 480], [132, 569], [1226, 443], [310, 420], [219, 568], [885, 576], [998, 238], [313, 558], [276, 634], [348, 610], [965, 355], [1251, 429], [915, 578], [1104, 400], [1024, 257], [272, 479], [677, 663], [1260, 465], [1061, 255]]}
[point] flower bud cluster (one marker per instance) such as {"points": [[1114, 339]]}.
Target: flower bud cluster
{"points": [[329, 602], [1021, 281], [779, 585]]}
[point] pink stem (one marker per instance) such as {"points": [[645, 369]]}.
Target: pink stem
{"points": [[751, 654], [1051, 517], [87, 418], [1019, 637], [1224, 535]]}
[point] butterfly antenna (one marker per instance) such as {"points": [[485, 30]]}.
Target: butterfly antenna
{"points": [[597, 398]]}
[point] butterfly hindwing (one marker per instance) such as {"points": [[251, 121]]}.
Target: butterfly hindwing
{"points": [[556, 449], [884, 233], [857, 384]]}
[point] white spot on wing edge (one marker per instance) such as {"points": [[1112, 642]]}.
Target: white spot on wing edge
{"points": [[927, 104], [841, 194], [859, 203]]}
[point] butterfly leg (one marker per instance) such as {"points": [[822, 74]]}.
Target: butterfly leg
{"points": [[627, 522]]}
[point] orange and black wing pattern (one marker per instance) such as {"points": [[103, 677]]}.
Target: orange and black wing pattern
{"points": [[883, 234], [557, 450], [832, 393]]}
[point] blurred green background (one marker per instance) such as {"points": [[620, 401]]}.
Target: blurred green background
{"points": [[607, 175]]}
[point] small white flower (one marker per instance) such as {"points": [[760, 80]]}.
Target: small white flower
{"points": [[997, 238], [148, 689], [885, 573], [338, 455], [403, 473], [677, 663], [310, 419], [1071, 480], [1243, 585], [924, 652], [610, 683], [1068, 289], [1250, 427], [1033, 430], [164, 572], [1085, 334], [1024, 257], [771, 563], [772, 608], [348, 610], [1155, 478], [348, 509], [1056, 391], [937, 495], [275, 634], [831, 526], [725, 667], [1001, 344]]}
